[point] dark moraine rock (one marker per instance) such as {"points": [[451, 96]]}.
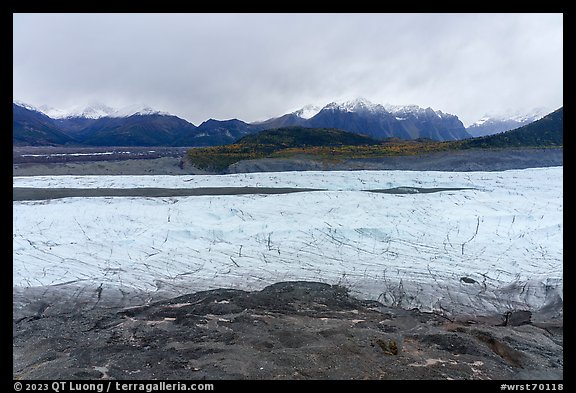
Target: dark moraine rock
{"points": [[288, 330]]}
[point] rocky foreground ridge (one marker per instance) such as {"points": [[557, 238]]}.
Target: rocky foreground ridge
{"points": [[288, 330]]}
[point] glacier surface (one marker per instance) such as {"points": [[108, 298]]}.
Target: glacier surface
{"points": [[495, 247]]}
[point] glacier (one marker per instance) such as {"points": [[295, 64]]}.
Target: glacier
{"points": [[491, 248]]}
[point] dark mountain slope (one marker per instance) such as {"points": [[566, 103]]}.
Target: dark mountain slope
{"points": [[136, 130], [297, 137], [36, 129], [287, 120], [217, 132]]}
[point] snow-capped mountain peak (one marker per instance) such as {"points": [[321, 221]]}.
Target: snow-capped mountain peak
{"points": [[26, 106], [138, 109], [356, 105], [399, 111], [529, 116], [495, 123], [307, 111], [52, 112], [44, 109], [511, 117], [93, 111], [411, 109]]}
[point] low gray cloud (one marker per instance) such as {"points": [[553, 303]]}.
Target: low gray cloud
{"points": [[255, 66]]}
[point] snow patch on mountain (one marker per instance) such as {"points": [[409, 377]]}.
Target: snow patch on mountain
{"points": [[307, 111]]}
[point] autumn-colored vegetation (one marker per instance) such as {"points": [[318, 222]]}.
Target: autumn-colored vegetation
{"points": [[331, 145], [220, 157]]}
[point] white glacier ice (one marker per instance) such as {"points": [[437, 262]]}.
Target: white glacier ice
{"points": [[492, 248]]}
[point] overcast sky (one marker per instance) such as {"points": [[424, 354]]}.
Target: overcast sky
{"points": [[256, 66]]}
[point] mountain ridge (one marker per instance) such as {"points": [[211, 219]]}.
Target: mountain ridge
{"points": [[101, 125], [378, 121]]}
